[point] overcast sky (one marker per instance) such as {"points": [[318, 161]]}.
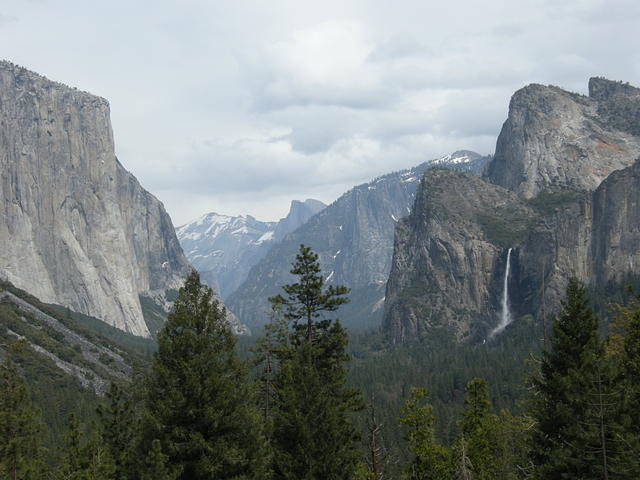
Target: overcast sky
{"points": [[240, 106]]}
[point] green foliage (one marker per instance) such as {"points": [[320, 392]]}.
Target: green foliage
{"points": [[505, 226], [199, 404], [627, 447], [134, 349], [479, 430], [573, 423], [550, 200], [431, 460], [19, 427], [54, 391], [306, 300], [313, 435], [156, 464], [118, 424], [444, 366], [84, 458]]}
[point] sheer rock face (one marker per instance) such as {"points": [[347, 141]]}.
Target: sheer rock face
{"points": [[563, 216], [616, 226], [77, 229], [556, 138], [449, 253]]}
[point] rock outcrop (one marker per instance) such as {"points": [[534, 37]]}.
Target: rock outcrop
{"points": [[554, 138], [449, 253], [77, 229]]}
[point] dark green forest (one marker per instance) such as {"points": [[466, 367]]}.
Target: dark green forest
{"points": [[308, 400]]}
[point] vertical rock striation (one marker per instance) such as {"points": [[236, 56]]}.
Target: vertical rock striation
{"points": [[76, 228]]}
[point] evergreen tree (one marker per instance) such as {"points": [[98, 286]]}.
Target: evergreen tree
{"points": [[565, 442], [313, 435], [480, 444], [84, 458], [70, 465], [19, 426], [156, 464], [628, 444], [514, 434], [306, 301], [631, 366], [431, 460], [117, 428], [99, 464], [199, 403]]}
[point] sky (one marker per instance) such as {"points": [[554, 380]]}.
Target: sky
{"points": [[238, 106]]}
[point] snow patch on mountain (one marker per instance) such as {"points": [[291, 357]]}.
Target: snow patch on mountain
{"points": [[223, 248]]}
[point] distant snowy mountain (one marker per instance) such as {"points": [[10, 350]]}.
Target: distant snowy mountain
{"points": [[223, 248], [464, 160]]}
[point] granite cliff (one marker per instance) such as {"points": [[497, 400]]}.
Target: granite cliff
{"points": [[77, 229], [556, 138], [562, 215]]}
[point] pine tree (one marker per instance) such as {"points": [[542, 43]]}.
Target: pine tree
{"points": [[431, 460], [99, 464], [313, 435], [514, 434], [19, 426], [563, 442], [480, 429], [117, 428], [156, 464], [199, 403], [628, 440], [84, 458], [306, 301], [70, 465]]}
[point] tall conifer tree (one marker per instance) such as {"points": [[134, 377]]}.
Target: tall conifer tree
{"points": [[431, 461], [565, 442], [200, 405], [117, 427], [480, 441], [313, 435]]}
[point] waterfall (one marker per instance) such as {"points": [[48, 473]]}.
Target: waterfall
{"points": [[505, 314]]}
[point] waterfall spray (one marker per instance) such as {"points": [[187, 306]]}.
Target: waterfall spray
{"points": [[505, 314]]}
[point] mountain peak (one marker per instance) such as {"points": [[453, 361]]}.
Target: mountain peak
{"points": [[555, 138]]}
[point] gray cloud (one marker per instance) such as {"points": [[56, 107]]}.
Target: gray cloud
{"points": [[240, 106], [7, 19]]}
